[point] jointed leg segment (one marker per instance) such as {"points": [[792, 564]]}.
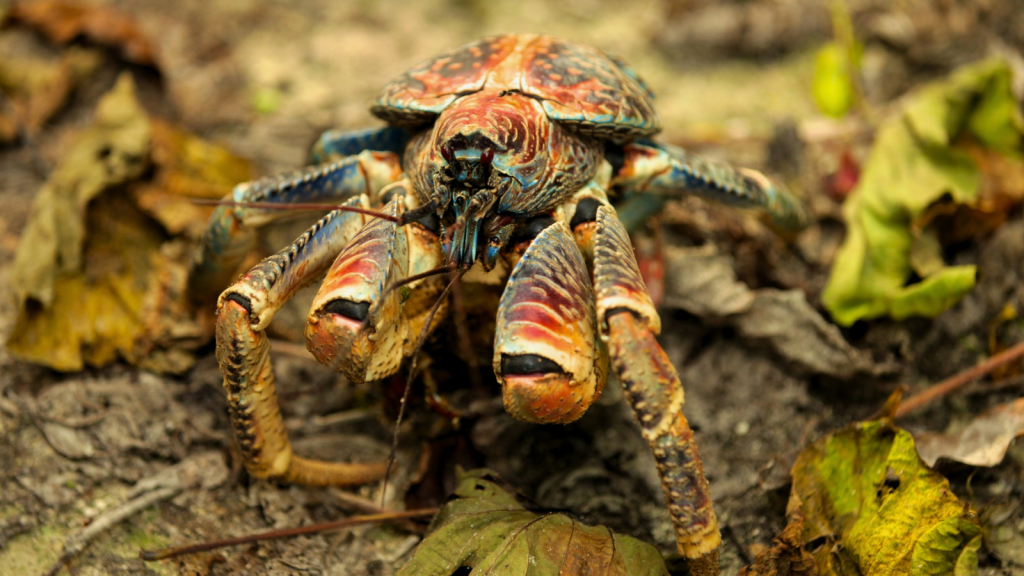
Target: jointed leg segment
{"points": [[628, 324], [230, 235], [243, 351], [667, 170]]}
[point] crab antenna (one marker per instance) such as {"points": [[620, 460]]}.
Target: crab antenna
{"points": [[297, 206], [432, 272], [412, 373]]}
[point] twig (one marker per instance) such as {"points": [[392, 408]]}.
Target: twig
{"points": [[164, 553], [959, 380]]}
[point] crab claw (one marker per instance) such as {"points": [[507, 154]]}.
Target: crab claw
{"points": [[546, 356], [357, 323]]}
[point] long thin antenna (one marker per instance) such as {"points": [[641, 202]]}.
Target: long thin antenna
{"points": [[432, 272], [298, 206], [412, 372]]}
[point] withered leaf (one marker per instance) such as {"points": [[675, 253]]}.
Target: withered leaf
{"points": [[916, 161], [869, 506], [97, 276], [486, 529], [982, 443], [64, 20]]}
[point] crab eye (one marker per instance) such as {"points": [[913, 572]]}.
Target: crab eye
{"points": [[446, 153], [487, 157]]}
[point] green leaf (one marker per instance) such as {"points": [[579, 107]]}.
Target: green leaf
{"points": [[486, 529], [869, 506], [913, 164]]}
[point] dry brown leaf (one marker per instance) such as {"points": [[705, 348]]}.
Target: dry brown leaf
{"points": [[186, 167], [703, 282], [982, 443], [96, 274], [787, 556], [36, 88], [62, 21]]}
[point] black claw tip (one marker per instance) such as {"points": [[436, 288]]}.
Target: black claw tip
{"points": [[586, 211], [355, 310], [242, 300], [528, 364]]}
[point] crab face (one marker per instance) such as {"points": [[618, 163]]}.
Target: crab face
{"points": [[492, 160]]}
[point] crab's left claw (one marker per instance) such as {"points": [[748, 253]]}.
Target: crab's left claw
{"points": [[628, 323]]}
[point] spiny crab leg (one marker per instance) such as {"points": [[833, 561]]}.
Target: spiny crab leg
{"points": [[230, 234], [243, 351], [663, 169], [628, 324]]}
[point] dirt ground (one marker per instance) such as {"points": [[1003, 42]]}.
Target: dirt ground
{"points": [[265, 77]]}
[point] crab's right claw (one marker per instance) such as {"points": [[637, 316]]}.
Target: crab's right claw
{"points": [[358, 324], [628, 324]]}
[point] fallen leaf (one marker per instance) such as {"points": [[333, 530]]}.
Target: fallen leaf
{"points": [[702, 281], [96, 275], [37, 88], [70, 442], [914, 163], [486, 529], [871, 507], [63, 20], [982, 443], [786, 322], [112, 151], [187, 167]]}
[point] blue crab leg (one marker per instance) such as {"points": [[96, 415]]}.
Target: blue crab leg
{"points": [[336, 144], [243, 312], [230, 233], [668, 170], [628, 324]]}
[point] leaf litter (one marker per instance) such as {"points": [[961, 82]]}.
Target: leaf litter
{"points": [[777, 305], [864, 503], [102, 264]]}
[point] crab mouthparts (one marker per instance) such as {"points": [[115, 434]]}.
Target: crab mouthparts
{"points": [[470, 213]]}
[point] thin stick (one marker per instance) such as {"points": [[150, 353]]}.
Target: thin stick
{"points": [[960, 380], [297, 206], [164, 553]]}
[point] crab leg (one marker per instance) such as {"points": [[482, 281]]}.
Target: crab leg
{"points": [[628, 323], [669, 170], [230, 234], [243, 312], [336, 144]]}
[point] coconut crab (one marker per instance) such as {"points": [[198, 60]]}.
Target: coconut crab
{"points": [[501, 153]]}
